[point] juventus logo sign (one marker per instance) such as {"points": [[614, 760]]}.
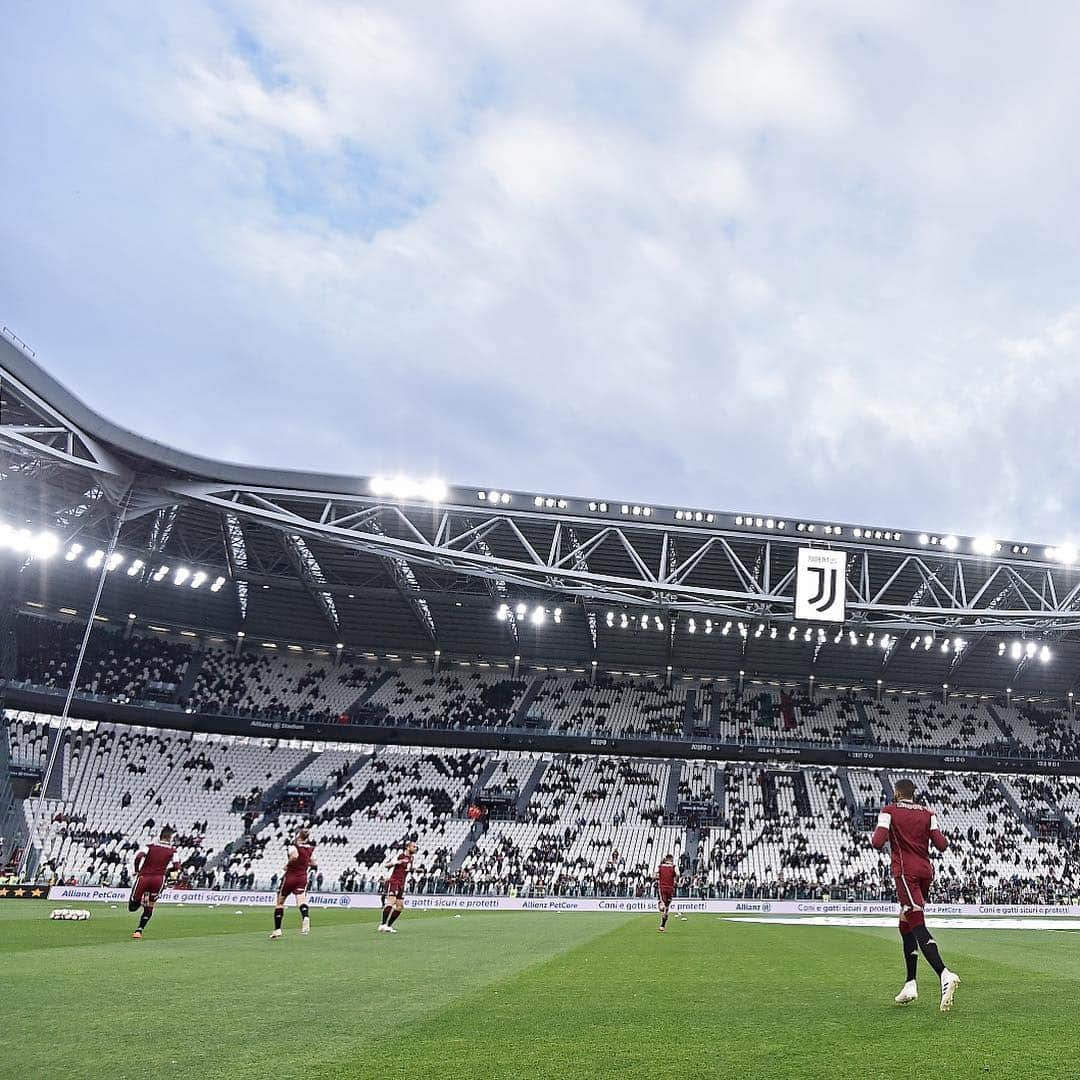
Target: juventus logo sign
{"points": [[821, 585]]}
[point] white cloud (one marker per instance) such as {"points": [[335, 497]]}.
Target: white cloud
{"points": [[763, 255]]}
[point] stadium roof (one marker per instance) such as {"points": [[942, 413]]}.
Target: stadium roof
{"points": [[411, 567]]}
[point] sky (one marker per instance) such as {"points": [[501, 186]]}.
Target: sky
{"points": [[806, 260]]}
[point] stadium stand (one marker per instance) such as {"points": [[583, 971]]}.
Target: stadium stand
{"points": [[590, 825]]}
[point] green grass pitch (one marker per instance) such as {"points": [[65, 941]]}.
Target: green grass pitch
{"points": [[530, 995]]}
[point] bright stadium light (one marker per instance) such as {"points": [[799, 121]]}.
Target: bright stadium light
{"points": [[708, 626], [95, 560], [1044, 655], [181, 575], [405, 487], [115, 559], [984, 545], [198, 579], [502, 613], [73, 552], [1016, 651], [520, 610], [160, 572], [557, 614], [135, 567], [1031, 647], [538, 616], [218, 582], [950, 542]]}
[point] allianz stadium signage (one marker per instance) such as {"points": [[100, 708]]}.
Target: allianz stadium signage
{"points": [[613, 904]]}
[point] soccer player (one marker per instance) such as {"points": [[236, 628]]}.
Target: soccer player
{"points": [[910, 829], [152, 863], [301, 860], [394, 897], [666, 879]]}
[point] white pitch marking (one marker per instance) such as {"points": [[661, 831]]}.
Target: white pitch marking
{"points": [[945, 922]]}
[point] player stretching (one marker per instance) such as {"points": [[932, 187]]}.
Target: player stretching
{"points": [[910, 829], [294, 882], [151, 865], [394, 898], [665, 884]]}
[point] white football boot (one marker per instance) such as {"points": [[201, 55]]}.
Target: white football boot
{"points": [[909, 994], [275, 935], [949, 982]]}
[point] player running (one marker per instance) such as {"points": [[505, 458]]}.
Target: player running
{"points": [[394, 897], [910, 829], [152, 863], [294, 881], [666, 880]]}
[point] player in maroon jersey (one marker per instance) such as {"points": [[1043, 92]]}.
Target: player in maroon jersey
{"points": [[909, 829], [394, 897], [152, 863], [666, 880], [294, 882]]}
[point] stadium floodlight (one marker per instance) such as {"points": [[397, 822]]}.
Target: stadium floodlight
{"points": [[405, 487], [199, 579], [839, 637], [557, 614], [115, 559], [1001, 648], [708, 626], [240, 634], [727, 626], [610, 618], [1044, 654], [181, 575], [914, 643], [520, 610], [791, 634], [659, 624], [950, 542], [870, 638], [984, 545], [95, 560], [73, 552], [135, 567], [924, 539], [132, 616], [502, 613], [1066, 554], [1016, 651], [928, 641], [959, 644], [538, 616], [691, 626], [160, 572], [624, 621], [216, 586], [1030, 649]]}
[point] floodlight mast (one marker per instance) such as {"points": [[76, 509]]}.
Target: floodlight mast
{"points": [[58, 741]]}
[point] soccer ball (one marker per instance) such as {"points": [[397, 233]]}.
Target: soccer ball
{"points": [[70, 914]]}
